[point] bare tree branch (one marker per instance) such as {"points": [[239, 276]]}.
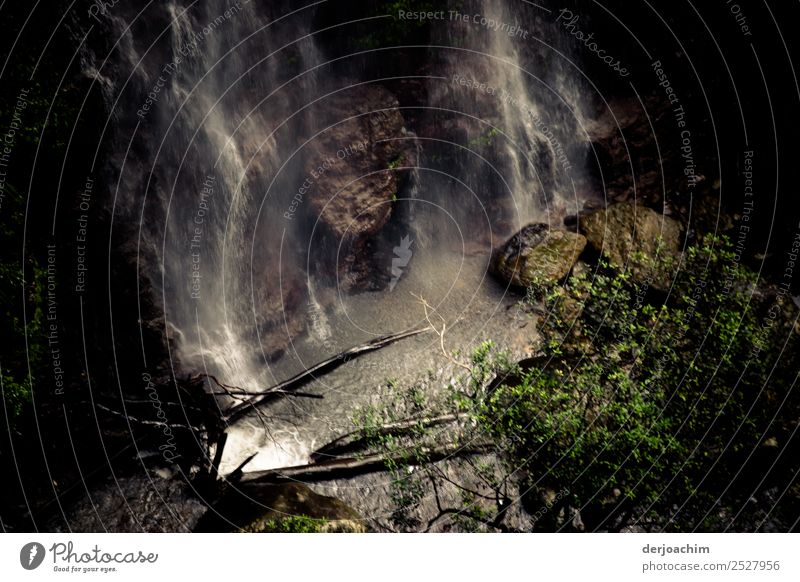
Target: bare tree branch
{"points": [[426, 306], [357, 438], [349, 467], [313, 372]]}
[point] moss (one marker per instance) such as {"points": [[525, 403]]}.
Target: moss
{"points": [[546, 262], [290, 524]]}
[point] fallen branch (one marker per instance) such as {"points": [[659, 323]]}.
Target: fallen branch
{"points": [[214, 470], [350, 467], [236, 395], [142, 421], [355, 440], [313, 372]]}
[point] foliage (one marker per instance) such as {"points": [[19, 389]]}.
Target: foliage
{"points": [[402, 454], [38, 112], [642, 409], [638, 407], [289, 524], [485, 139], [20, 353], [396, 162], [407, 452]]}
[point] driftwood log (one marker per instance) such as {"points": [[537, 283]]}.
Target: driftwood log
{"points": [[327, 462], [254, 399], [352, 466]]}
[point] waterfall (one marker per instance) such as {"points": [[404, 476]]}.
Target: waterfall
{"points": [[520, 105], [218, 141], [202, 130]]}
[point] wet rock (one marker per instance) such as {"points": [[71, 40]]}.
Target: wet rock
{"points": [[707, 214], [637, 239], [353, 166], [260, 508], [282, 312], [626, 153], [537, 254], [142, 503], [637, 156]]}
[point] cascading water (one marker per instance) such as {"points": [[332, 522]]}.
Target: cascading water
{"points": [[520, 106], [203, 145], [216, 165]]}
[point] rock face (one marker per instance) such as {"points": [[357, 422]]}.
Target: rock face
{"points": [[281, 301], [352, 166], [623, 142], [537, 254], [633, 167], [141, 503], [628, 235]]}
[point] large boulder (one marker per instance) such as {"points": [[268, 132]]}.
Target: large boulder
{"points": [[355, 171], [537, 255], [258, 508], [637, 239], [282, 301]]}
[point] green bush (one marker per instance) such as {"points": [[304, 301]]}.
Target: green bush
{"points": [[47, 114], [20, 354], [644, 410], [638, 408], [289, 524]]}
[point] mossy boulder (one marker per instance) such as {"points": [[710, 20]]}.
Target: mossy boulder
{"points": [[637, 239], [537, 255], [281, 508]]}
